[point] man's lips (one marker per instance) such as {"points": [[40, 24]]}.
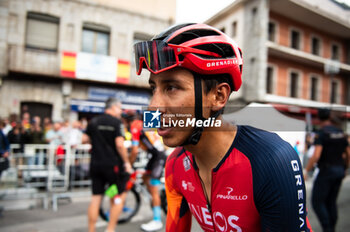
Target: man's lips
{"points": [[164, 131]]}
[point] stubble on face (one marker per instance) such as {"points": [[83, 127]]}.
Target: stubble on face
{"points": [[173, 94]]}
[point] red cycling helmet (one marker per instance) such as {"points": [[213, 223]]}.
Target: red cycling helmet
{"points": [[197, 47]]}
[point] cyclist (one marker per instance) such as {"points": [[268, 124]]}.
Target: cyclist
{"points": [[150, 142], [109, 162], [229, 177]]}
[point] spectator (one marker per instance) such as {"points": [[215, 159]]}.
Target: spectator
{"points": [[330, 145], [74, 134], [4, 151], [54, 135], [109, 162], [26, 120], [36, 134], [6, 126], [17, 136]]}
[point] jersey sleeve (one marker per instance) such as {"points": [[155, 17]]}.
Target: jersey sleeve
{"points": [[178, 216], [281, 197], [278, 182], [119, 129], [319, 138]]}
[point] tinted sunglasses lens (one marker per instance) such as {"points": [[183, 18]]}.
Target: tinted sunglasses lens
{"points": [[157, 54]]}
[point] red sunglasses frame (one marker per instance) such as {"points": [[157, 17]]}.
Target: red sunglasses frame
{"points": [[177, 51]]}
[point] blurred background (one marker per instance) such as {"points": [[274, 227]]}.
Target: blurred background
{"points": [[61, 59]]}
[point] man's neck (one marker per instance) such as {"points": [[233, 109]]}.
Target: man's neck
{"points": [[213, 146]]}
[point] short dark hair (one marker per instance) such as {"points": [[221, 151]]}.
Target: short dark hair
{"points": [[111, 102], [211, 81], [324, 114]]}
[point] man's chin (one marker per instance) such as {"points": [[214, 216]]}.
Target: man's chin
{"points": [[173, 139]]}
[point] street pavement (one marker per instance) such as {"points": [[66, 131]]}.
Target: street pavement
{"points": [[71, 216]]}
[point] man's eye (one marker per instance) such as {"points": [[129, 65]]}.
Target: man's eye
{"points": [[171, 88], [153, 88]]}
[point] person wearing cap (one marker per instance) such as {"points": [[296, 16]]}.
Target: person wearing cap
{"points": [[228, 177], [332, 156]]}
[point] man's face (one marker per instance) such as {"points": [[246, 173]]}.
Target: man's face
{"points": [[117, 110], [173, 94]]}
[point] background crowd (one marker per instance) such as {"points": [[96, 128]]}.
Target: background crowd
{"points": [[35, 130]]}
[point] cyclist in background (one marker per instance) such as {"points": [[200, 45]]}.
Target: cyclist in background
{"points": [[229, 177], [109, 162], [150, 142]]}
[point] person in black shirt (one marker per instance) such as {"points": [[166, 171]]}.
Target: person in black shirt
{"points": [[109, 161], [332, 154]]}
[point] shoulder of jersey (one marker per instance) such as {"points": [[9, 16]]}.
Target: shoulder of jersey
{"points": [[176, 153]]}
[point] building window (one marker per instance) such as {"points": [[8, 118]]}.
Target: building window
{"points": [[295, 39], [334, 91], [234, 29], [95, 39], [272, 32], [314, 88], [293, 87], [315, 46], [42, 31], [269, 80], [335, 52]]}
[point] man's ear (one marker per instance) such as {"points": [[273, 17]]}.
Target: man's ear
{"points": [[221, 95]]}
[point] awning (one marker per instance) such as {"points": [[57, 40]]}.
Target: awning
{"points": [[98, 107]]}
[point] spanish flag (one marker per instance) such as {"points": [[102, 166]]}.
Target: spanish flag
{"points": [[123, 71], [68, 64]]}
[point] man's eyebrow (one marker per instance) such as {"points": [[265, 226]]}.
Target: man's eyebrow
{"points": [[163, 81], [169, 80]]}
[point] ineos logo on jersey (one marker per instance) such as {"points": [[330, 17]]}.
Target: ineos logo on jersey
{"points": [[228, 196], [217, 219]]}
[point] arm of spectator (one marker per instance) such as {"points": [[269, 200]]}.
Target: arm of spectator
{"points": [[133, 153], [6, 147], [314, 158], [85, 139], [347, 157], [119, 141]]}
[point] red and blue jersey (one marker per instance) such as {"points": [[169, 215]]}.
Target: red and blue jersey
{"points": [[257, 186]]}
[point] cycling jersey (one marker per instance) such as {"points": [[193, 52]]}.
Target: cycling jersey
{"points": [[257, 186], [151, 142]]}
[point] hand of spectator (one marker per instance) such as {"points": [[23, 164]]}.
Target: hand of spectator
{"points": [[5, 155], [305, 173], [128, 167]]}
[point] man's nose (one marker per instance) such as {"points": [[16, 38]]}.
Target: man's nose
{"points": [[157, 102]]}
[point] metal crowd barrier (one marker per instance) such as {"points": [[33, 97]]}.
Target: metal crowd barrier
{"points": [[51, 172]]}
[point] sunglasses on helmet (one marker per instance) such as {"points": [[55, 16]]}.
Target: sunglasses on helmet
{"points": [[158, 56]]}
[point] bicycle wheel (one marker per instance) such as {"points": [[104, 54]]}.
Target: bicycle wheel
{"points": [[130, 208]]}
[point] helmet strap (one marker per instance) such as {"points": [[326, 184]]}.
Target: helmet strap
{"points": [[197, 131]]}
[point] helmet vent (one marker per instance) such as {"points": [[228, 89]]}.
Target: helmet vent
{"points": [[224, 50], [192, 34]]}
